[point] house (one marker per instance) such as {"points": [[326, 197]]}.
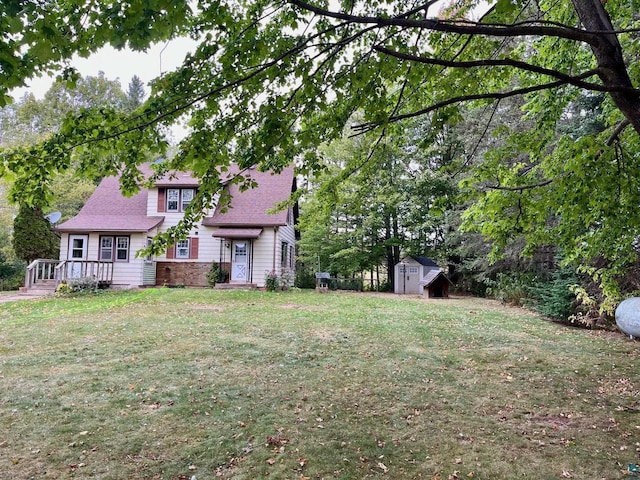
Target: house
{"points": [[247, 239], [421, 276]]}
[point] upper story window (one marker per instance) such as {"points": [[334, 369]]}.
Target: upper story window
{"points": [[175, 199]]}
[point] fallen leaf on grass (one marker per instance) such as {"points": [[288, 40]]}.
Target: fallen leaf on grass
{"points": [[277, 440], [302, 462], [566, 474], [383, 467], [271, 461]]}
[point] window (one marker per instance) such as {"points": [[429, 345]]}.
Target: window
{"points": [[122, 249], [187, 197], [284, 254], [149, 258], [182, 249], [173, 197], [114, 249], [106, 249], [413, 269], [78, 248], [177, 199]]}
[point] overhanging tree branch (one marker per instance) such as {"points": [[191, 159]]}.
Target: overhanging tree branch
{"points": [[465, 28], [572, 80], [520, 188], [365, 127]]}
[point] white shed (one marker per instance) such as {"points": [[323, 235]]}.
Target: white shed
{"points": [[410, 271]]}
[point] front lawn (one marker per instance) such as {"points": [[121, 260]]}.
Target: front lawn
{"points": [[175, 384]]}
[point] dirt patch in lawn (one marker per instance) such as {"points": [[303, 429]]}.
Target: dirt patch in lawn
{"points": [[213, 308]]}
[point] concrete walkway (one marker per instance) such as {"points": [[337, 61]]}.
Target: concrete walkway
{"points": [[15, 296]]}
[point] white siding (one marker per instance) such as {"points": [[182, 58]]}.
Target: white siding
{"points": [[125, 274], [263, 254], [64, 245], [208, 247]]}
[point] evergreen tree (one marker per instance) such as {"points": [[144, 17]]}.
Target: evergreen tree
{"points": [[33, 237], [135, 94]]}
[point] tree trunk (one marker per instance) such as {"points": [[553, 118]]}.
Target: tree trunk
{"points": [[609, 56]]}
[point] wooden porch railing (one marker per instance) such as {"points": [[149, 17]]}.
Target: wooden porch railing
{"points": [[43, 271], [40, 271], [102, 272]]}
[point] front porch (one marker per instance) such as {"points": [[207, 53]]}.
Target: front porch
{"points": [[44, 275]]}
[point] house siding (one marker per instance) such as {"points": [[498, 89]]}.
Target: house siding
{"points": [[262, 256], [125, 274], [287, 234]]}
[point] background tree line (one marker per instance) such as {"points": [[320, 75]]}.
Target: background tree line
{"points": [[25, 233]]}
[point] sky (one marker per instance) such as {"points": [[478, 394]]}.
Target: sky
{"points": [[121, 65]]}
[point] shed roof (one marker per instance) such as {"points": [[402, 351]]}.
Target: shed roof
{"points": [[427, 262]]}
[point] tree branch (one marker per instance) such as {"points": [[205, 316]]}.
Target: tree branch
{"points": [[466, 28], [506, 62], [365, 127], [616, 133], [520, 188]]}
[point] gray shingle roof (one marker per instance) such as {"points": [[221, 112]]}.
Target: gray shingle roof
{"points": [[432, 276], [427, 262]]}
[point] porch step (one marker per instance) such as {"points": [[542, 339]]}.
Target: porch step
{"points": [[42, 287], [236, 286]]}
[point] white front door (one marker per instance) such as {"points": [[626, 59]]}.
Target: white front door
{"points": [[240, 261], [76, 255]]}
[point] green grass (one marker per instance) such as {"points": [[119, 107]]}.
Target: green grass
{"points": [[171, 383]]}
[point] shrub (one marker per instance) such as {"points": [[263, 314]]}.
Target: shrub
{"points": [[305, 278], [512, 288], [78, 286], [286, 279], [32, 235], [271, 281], [213, 275], [556, 298]]}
